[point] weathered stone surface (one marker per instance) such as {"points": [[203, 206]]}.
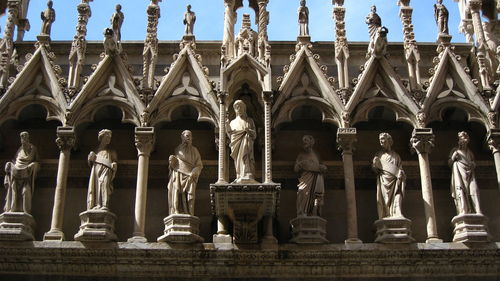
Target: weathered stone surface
{"points": [[181, 228], [17, 226], [97, 225], [470, 228], [393, 230], [308, 230]]}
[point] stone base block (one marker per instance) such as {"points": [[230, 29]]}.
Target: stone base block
{"points": [[470, 228], [222, 239], [308, 230], [53, 235], [17, 226], [181, 228], [393, 230], [97, 226]]}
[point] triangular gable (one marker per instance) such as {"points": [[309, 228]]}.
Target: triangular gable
{"points": [[186, 79], [451, 82], [380, 80], [305, 73], [110, 84], [241, 62], [37, 83]]}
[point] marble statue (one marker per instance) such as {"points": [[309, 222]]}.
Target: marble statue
{"points": [[109, 42], [48, 17], [374, 22], [441, 15], [104, 166], [303, 19], [464, 189], [311, 186], [117, 21], [185, 168], [189, 21], [20, 177], [241, 131], [391, 179]]}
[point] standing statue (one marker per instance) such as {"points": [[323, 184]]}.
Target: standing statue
{"points": [[441, 15], [374, 22], [303, 19], [241, 131], [311, 186], [117, 21], [185, 168], [189, 20], [464, 189], [103, 164], [390, 179], [20, 177], [48, 17]]}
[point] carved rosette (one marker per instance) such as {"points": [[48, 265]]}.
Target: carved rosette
{"points": [[346, 137]]}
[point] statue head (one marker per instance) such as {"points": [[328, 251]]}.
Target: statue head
{"points": [[50, 4], [302, 3], [439, 1], [463, 139], [108, 32], [240, 108], [374, 9], [308, 142], [188, 8], [104, 136], [118, 7], [385, 140], [25, 137], [187, 137]]}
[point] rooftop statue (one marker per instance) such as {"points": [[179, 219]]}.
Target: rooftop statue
{"points": [[464, 189], [20, 177], [117, 21], [241, 131], [48, 17], [374, 22], [103, 169], [391, 179], [441, 15], [303, 19], [189, 21], [311, 186], [185, 168]]}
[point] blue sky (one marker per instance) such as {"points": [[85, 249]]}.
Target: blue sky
{"points": [[210, 19]]}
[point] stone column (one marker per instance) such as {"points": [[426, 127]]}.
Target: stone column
{"points": [[262, 31], [65, 141], [494, 144], [412, 54], [341, 46], [144, 142], [346, 137], [229, 21], [7, 42], [422, 142], [482, 47], [222, 179], [267, 96]]}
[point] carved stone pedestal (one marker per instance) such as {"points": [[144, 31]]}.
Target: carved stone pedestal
{"points": [[16, 226], [181, 229], [470, 228], [393, 230], [246, 206], [97, 225], [308, 230]]}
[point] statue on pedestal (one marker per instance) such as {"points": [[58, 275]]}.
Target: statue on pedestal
{"points": [[241, 131], [103, 164], [311, 186], [48, 17], [441, 15], [117, 21], [189, 20], [185, 168], [374, 22], [20, 177], [303, 19], [391, 179], [464, 189]]}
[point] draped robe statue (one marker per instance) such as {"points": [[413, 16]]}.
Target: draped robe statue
{"points": [[241, 131], [391, 179], [441, 15], [48, 17], [311, 186], [20, 177], [303, 19], [464, 189], [117, 22], [374, 22], [189, 20], [103, 164], [185, 168]]}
